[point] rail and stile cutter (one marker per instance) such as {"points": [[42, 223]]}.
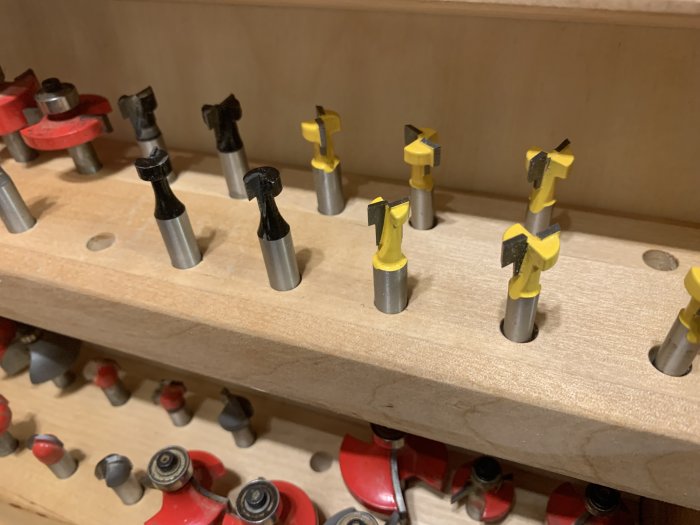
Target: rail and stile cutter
{"points": [[422, 153]]}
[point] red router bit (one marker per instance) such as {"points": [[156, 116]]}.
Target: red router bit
{"points": [[171, 396], [597, 506], [263, 502], [106, 374], [186, 479], [489, 493], [15, 97], [71, 121], [48, 449], [376, 472], [8, 443]]}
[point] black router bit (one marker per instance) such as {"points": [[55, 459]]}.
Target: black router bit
{"points": [[222, 119], [264, 184], [235, 417], [116, 471], [13, 210], [140, 110], [170, 214]]}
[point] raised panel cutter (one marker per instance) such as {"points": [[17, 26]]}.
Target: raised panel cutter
{"points": [[422, 153]]}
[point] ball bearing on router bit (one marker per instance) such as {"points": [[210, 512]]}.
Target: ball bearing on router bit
{"points": [[257, 502], [170, 469], [13, 210]]}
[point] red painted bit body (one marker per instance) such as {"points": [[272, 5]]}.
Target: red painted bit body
{"points": [[15, 97]]}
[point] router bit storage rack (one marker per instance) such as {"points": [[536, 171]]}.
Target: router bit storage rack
{"points": [[580, 400]]}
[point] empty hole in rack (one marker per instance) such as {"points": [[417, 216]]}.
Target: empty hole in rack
{"points": [[320, 461], [652, 357], [535, 332], [100, 242], [660, 260]]}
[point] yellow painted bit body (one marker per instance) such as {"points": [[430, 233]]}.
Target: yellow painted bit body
{"points": [[541, 255], [689, 315], [389, 256], [558, 167], [312, 131], [420, 156]]}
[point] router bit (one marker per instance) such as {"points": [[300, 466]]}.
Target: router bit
{"points": [[530, 255], [222, 119], [351, 516], [422, 153], [276, 502], [116, 471], [13, 210], [8, 443], [71, 121], [15, 97], [140, 110], [14, 354], [50, 358], [325, 165], [597, 506], [489, 493], [389, 263], [106, 374], [543, 170], [275, 236], [171, 215], [171, 396], [675, 355], [235, 417], [48, 449]]}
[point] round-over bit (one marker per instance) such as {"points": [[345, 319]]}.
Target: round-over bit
{"points": [[115, 470]]}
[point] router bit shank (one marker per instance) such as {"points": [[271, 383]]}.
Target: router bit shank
{"points": [[13, 210], [48, 449]]}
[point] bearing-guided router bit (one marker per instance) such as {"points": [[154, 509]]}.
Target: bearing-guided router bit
{"points": [[324, 164], [530, 255], [171, 215], [8, 443], [222, 119], [106, 374], [13, 211], [140, 110], [352, 516], [48, 449], [51, 357], [543, 170], [390, 266], [235, 417], [264, 184], [16, 96], [171, 396], [675, 355], [115, 470], [422, 153]]}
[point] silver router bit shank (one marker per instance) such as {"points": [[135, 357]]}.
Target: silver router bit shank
{"points": [[422, 209], [51, 357], [117, 394], [281, 262], [85, 158], [329, 191], [257, 503], [519, 322], [180, 241], [49, 446], [181, 416], [8, 444], [537, 222], [18, 148], [675, 355], [13, 210], [16, 357], [64, 467], [235, 166], [391, 290], [116, 471]]}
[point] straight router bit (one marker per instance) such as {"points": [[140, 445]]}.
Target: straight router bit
{"points": [[422, 153], [13, 210], [8, 443], [115, 470], [171, 215], [171, 396], [675, 355], [222, 119], [389, 263], [106, 374], [48, 449], [275, 236], [530, 255], [140, 110], [543, 169], [325, 165], [235, 417]]}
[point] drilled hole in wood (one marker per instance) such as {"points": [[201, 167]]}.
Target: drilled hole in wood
{"points": [[660, 260], [320, 462], [100, 242]]}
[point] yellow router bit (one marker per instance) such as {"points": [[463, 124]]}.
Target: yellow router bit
{"points": [[530, 255], [422, 153], [675, 355], [543, 169], [325, 165], [389, 262]]}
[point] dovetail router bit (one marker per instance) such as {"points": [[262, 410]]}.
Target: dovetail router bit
{"points": [[15, 97], [140, 110], [8, 443], [235, 417], [171, 215], [115, 470], [171, 396], [675, 355], [325, 164], [48, 449], [389, 263], [50, 358], [543, 170], [530, 255], [222, 119], [106, 374], [264, 184], [13, 210], [422, 153]]}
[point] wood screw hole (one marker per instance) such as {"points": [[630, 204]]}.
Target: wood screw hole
{"points": [[660, 260], [100, 242]]}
